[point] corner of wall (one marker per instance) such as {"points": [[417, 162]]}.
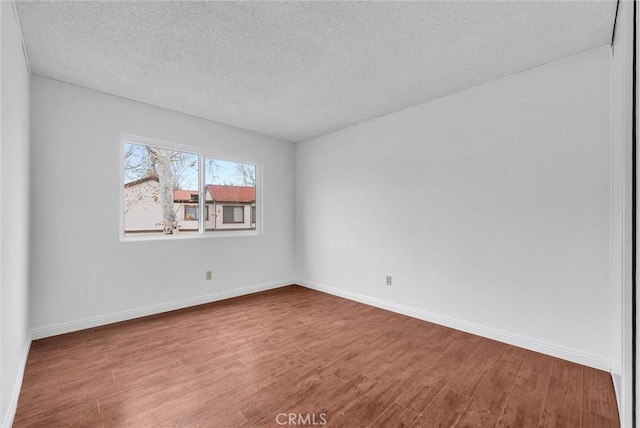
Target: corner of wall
{"points": [[10, 414], [15, 145], [621, 143]]}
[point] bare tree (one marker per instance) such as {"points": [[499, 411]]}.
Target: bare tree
{"points": [[183, 165], [246, 174], [138, 162], [162, 160], [172, 169], [212, 170]]}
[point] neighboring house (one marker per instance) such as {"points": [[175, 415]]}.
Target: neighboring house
{"points": [[185, 205], [232, 207], [142, 212], [226, 207]]}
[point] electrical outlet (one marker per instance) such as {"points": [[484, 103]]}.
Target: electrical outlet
{"points": [[209, 275], [388, 279]]}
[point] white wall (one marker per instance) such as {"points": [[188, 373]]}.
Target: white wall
{"points": [[489, 207], [621, 201], [82, 274], [14, 213]]}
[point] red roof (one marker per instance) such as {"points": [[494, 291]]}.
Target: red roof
{"points": [[184, 195], [221, 193], [140, 181]]}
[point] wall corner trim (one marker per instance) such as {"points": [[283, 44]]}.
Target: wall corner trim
{"points": [[7, 420], [68, 327], [554, 350], [24, 46]]}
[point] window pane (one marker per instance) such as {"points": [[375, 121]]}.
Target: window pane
{"points": [[238, 214], [191, 212], [157, 184], [230, 188], [228, 214]]}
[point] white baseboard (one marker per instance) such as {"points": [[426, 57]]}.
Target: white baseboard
{"points": [[491, 333], [7, 420], [69, 327]]}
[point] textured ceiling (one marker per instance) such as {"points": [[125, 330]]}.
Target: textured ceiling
{"points": [[295, 70]]}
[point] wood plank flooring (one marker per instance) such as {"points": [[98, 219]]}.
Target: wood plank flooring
{"points": [[259, 360]]}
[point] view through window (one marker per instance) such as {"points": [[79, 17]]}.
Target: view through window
{"points": [[169, 192]]}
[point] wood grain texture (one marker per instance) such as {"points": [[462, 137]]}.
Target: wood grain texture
{"points": [[255, 360]]}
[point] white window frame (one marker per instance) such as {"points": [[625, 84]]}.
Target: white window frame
{"points": [[202, 153]]}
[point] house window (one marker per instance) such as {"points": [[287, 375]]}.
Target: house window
{"points": [[232, 214], [253, 214], [191, 212], [163, 186]]}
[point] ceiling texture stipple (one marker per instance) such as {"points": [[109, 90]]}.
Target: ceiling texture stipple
{"points": [[296, 70]]}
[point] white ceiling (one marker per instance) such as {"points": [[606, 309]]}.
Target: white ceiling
{"points": [[295, 70]]}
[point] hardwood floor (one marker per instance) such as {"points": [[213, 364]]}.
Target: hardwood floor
{"points": [[259, 360]]}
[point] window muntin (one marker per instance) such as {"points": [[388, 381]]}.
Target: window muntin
{"points": [[192, 203]]}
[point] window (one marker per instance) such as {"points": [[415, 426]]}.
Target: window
{"points": [[169, 190], [230, 187], [233, 214], [191, 212]]}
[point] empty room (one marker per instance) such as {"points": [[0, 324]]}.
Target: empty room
{"points": [[318, 213]]}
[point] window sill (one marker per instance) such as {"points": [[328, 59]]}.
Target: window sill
{"points": [[192, 235]]}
